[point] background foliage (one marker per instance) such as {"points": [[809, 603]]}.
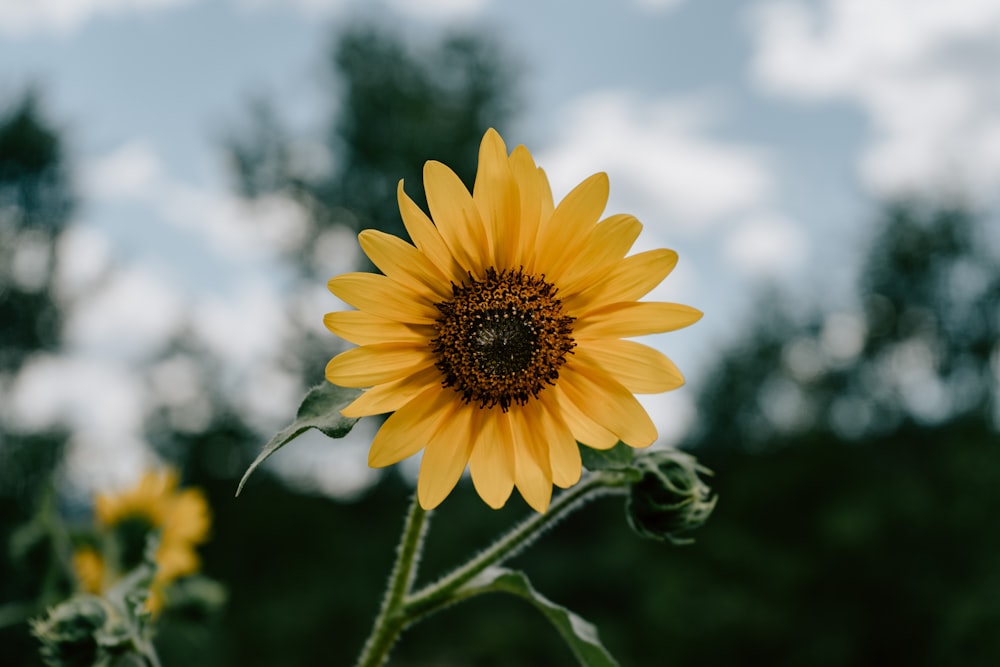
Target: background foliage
{"points": [[855, 452]]}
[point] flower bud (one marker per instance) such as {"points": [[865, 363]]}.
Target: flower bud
{"points": [[669, 498], [68, 633]]}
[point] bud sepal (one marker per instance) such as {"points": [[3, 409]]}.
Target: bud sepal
{"points": [[669, 499]]}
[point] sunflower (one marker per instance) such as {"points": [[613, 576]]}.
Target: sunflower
{"points": [[155, 504], [498, 338]]}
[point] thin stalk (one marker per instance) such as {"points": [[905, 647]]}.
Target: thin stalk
{"points": [[442, 592], [391, 620]]}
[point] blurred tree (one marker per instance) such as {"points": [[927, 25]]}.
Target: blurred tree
{"points": [[882, 551], [917, 352], [397, 107], [35, 204]]}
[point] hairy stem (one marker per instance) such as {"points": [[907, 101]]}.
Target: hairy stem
{"points": [[391, 620], [445, 591]]}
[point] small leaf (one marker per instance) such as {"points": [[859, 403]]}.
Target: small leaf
{"points": [[580, 635], [320, 409], [618, 457]]}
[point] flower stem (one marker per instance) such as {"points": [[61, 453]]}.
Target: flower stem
{"points": [[391, 620], [442, 593]]}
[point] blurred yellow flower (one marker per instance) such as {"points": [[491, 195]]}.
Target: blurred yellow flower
{"points": [[180, 517], [497, 339], [89, 568]]}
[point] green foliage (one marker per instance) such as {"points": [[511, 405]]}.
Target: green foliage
{"points": [[618, 457], [578, 634], [320, 410], [111, 631]]}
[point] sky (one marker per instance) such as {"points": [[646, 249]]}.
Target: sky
{"points": [[756, 137]]}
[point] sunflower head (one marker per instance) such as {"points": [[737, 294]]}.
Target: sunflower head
{"points": [[499, 338], [179, 518]]}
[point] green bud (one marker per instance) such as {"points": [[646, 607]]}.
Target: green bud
{"points": [[669, 498], [68, 633], [86, 631]]}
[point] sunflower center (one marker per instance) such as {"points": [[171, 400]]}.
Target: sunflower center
{"points": [[501, 340]]}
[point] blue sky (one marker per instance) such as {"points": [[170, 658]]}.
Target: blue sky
{"points": [[753, 136]]}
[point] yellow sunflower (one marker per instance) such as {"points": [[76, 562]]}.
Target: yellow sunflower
{"points": [[180, 516], [497, 339]]}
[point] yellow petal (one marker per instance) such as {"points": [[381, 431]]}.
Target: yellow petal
{"points": [[409, 428], [382, 296], [393, 395], [561, 237], [624, 320], [628, 280], [609, 403], [176, 561], [457, 217], [564, 454], [445, 456], [88, 566], [496, 196], [532, 471], [639, 367], [374, 364], [607, 243], [581, 425], [492, 461], [426, 236], [189, 519], [530, 186], [363, 328], [405, 264]]}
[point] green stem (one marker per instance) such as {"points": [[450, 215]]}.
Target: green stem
{"points": [[391, 620], [442, 593], [148, 651]]}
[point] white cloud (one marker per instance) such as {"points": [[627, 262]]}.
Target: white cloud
{"points": [[658, 5], [132, 171], [130, 316], [233, 227], [660, 157], [25, 17], [102, 402], [442, 10], [766, 245], [242, 328], [83, 257], [922, 70], [672, 412]]}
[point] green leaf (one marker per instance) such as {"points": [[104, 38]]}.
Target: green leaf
{"points": [[580, 635], [320, 409], [618, 457]]}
